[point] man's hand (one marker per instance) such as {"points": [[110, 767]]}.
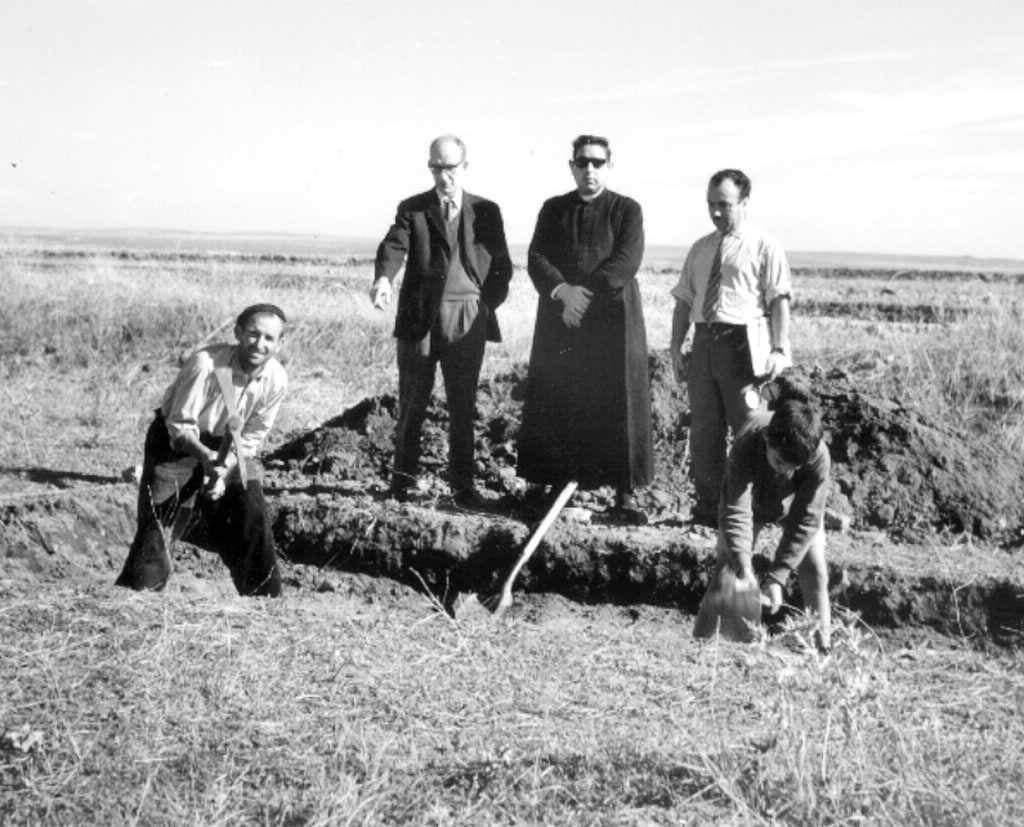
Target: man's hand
{"points": [[681, 364], [773, 591], [380, 293], [575, 301], [215, 483], [778, 361], [743, 566]]}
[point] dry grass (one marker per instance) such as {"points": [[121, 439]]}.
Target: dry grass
{"points": [[325, 709], [359, 706]]}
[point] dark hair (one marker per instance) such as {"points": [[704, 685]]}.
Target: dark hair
{"points": [[795, 429], [738, 177], [259, 310], [586, 140]]}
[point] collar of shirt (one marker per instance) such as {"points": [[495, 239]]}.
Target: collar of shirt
{"points": [[740, 232], [586, 199], [456, 199]]}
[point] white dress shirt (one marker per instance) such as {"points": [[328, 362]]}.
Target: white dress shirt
{"points": [[755, 272]]}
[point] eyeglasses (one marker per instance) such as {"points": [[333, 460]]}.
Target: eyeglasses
{"points": [[439, 168], [582, 162]]}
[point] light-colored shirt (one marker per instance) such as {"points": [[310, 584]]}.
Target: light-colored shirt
{"points": [[456, 200], [755, 272], [193, 403]]}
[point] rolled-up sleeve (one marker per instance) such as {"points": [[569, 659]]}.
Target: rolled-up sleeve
{"points": [[685, 289], [776, 279], [186, 398]]}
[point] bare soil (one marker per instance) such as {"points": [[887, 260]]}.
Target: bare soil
{"points": [[928, 513]]}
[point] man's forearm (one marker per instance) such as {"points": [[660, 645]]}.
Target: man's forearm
{"points": [[680, 325], [779, 313], [188, 443]]}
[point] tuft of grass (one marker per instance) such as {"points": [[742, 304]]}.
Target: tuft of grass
{"points": [[358, 707]]}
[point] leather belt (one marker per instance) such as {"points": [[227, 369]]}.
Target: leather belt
{"points": [[720, 329]]}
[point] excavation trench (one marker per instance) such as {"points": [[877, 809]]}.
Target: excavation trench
{"points": [[452, 553], [934, 519], [80, 536]]}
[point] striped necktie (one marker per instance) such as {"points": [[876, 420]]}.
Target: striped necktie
{"points": [[714, 289]]}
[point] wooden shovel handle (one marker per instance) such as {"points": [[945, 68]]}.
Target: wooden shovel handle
{"points": [[542, 529]]}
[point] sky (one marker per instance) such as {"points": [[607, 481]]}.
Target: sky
{"points": [[865, 126]]}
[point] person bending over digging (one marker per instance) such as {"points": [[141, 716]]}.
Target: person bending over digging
{"points": [[778, 472], [200, 479]]}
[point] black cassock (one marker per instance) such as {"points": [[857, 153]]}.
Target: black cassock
{"points": [[587, 412]]}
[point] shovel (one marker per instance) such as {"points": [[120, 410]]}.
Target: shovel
{"points": [[505, 600], [731, 607]]}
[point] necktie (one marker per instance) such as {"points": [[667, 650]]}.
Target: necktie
{"points": [[449, 209], [714, 288]]}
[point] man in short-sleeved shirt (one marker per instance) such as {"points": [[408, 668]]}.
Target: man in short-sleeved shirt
{"points": [[735, 290]]}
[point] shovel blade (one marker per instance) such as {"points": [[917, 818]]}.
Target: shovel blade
{"points": [[731, 608]]}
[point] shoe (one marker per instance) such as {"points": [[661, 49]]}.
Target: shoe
{"points": [[403, 486], [537, 500], [625, 510], [627, 516], [407, 494], [469, 499]]}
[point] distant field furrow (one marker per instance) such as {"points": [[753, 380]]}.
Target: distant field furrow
{"points": [[354, 699]]}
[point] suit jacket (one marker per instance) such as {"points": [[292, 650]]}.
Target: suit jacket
{"points": [[419, 239]]}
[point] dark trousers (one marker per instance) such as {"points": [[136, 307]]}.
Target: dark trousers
{"points": [[457, 344], [719, 379], [235, 526]]}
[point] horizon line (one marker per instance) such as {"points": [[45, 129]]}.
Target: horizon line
{"points": [[373, 241]]}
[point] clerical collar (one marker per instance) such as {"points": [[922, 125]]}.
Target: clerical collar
{"points": [[586, 199]]}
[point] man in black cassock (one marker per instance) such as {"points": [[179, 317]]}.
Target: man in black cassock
{"points": [[586, 416]]}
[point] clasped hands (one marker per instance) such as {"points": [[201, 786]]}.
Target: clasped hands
{"points": [[575, 301]]}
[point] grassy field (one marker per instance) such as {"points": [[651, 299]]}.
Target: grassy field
{"points": [[350, 707], [354, 701]]}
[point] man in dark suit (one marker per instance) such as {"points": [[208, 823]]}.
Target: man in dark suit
{"points": [[457, 271]]}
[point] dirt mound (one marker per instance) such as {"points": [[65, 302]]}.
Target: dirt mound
{"points": [[894, 468]]}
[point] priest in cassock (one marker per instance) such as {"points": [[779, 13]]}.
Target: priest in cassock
{"points": [[586, 415]]}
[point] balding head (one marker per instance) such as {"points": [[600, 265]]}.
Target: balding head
{"points": [[441, 142], [447, 163]]}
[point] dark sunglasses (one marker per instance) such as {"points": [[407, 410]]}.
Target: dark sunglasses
{"points": [[444, 167], [583, 163]]}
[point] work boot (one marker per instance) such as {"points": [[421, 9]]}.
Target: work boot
{"points": [[626, 510], [469, 499]]}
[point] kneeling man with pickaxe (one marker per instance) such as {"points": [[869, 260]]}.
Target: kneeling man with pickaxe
{"points": [[200, 479]]}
